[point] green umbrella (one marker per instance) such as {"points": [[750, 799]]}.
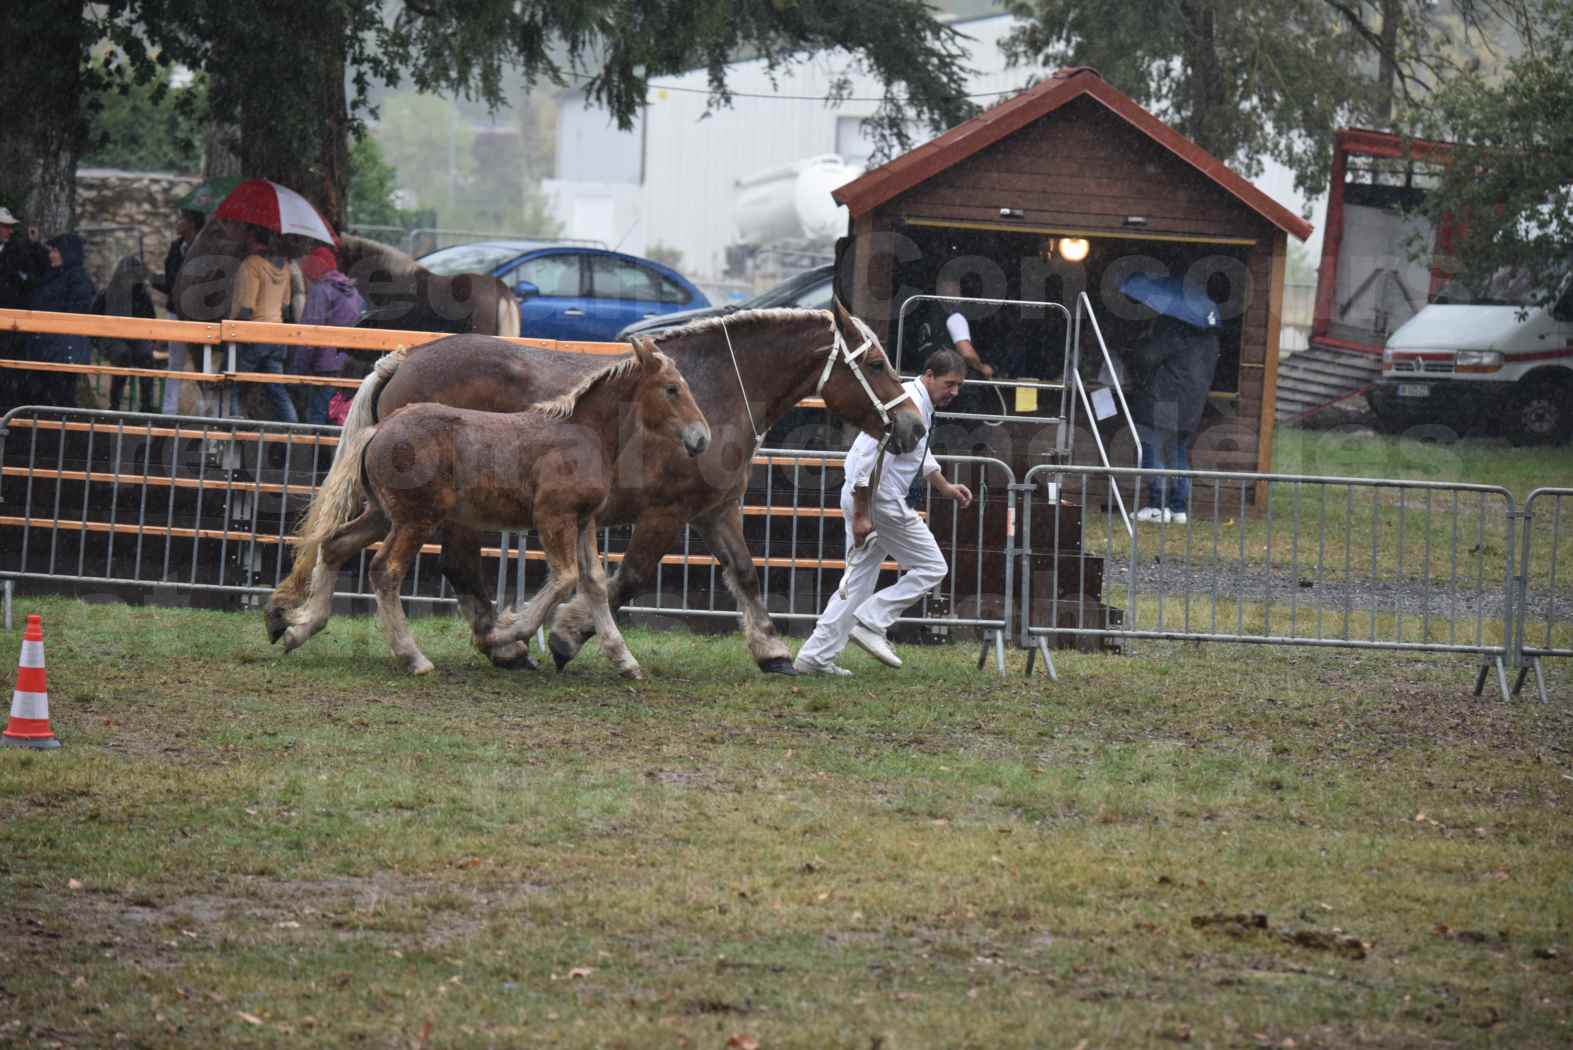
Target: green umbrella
{"points": [[209, 194]]}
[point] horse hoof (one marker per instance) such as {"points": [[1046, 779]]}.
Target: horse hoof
{"points": [[422, 666], [559, 644], [561, 654], [277, 624], [522, 662], [778, 665], [633, 674]]}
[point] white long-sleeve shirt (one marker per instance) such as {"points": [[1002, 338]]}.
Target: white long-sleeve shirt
{"points": [[900, 470]]}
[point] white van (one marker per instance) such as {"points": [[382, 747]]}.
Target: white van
{"points": [[1494, 361]]}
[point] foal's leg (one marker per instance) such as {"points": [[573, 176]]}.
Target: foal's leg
{"points": [[387, 572], [461, 564], [559, 539], [347, 541], [592, 585], [654, 533]]}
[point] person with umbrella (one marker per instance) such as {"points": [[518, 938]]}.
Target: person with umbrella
{"points": [[262, 287], [266, 279], [1172, 368]]}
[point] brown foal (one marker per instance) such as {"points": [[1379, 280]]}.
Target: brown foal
{"points": [[550, 467]]}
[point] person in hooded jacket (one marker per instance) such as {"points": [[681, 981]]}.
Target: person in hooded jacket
{"points": [[128, 296], [65, 288], [1173, 370], [331, 298], [261, 291]]}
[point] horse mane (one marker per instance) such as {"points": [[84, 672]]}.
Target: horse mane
{"points": [[742, 318], [354, 250], [562, 406]]}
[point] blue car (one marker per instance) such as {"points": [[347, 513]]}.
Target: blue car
{"points": [[570, 292]]}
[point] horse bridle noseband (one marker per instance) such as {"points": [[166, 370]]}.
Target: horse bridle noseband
{"points": [[838, 351]]}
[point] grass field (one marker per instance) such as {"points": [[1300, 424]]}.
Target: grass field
{"points": [[1218, 846]]}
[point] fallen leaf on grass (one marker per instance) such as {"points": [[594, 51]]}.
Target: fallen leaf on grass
{"points": [[580, 971], [249, 1018], [74, 884], [742, 1042], [1499, 874]]}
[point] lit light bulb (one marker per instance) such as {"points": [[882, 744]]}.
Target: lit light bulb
{"points": [[1073, 249]]}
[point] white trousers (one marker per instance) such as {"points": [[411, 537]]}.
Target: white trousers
{"points": [[901, 536]]}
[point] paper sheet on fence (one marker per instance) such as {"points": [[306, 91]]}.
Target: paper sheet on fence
{"points": [[1103, 405]]}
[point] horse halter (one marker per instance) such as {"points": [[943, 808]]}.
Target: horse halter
{"points": [[840, 351]]}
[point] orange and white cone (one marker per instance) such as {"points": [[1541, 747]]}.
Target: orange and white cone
{"points": [[29, 725]]}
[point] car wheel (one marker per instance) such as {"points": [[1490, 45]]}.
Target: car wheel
{"points": [[1541, 414]]}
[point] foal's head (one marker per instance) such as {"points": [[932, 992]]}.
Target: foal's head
{"points": [[664, 404]]}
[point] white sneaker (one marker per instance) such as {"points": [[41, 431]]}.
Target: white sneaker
{"points": [[833, 670], [1179, 517], [1152, 514], [874, 644]]}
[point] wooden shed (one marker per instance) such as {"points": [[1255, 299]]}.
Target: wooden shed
{"points": [[1073, 158]]}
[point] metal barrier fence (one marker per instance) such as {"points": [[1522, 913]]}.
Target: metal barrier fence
{"points": [[195, 505], [208, 505], [1320, 561], [1544, 594]]}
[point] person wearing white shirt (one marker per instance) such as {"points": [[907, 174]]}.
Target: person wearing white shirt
{"points": [[880, 525], [959, 330]]}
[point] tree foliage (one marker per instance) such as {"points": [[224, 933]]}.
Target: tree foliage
{"points": [[277, 68], [146, 126], [1509, 188], [1268, 79]]}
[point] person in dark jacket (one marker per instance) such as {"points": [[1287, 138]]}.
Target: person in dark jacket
{"points": [[1172, 369], [23, 261], [128, 296], [187, 225], [66, 288]]}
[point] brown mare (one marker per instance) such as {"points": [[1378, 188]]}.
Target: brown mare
{"points": [[400, 292], [549, 467], [746, 370]]}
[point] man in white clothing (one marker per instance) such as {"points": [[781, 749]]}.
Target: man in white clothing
{"points": [[881, 525]]}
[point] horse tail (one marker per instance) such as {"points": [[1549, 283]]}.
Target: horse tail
{"points": [[507, 313], [337, 499]]}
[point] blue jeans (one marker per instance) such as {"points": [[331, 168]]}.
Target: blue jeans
{"points": [[264, 357], [317, 398], [1166, 450]]}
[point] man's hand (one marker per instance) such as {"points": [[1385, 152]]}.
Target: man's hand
{"points": [[961, 494], [985, 369], [862, 525]]}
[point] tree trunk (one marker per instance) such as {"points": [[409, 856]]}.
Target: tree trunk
{"points": [[294, 127], [1205, 118], [1387, 61], [41, 126]]}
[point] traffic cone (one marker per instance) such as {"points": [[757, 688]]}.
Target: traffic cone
{"points": [[29, 726]]}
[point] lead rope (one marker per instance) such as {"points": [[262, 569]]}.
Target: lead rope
{"points": [[759, 435]]}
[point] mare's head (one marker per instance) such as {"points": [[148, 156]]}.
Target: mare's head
{"points": [[862, 386], [664, 404]]}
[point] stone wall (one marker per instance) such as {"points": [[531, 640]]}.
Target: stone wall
{"points": [[122, 213]]}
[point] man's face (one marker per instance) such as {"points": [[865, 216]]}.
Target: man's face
{"points": [[942, 389], [5, 232]]}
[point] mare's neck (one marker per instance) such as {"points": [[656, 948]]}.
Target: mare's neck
{"points": [[777, 370]]}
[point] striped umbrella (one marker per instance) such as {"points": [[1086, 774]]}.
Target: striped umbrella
{"points": [[274, 207]]}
